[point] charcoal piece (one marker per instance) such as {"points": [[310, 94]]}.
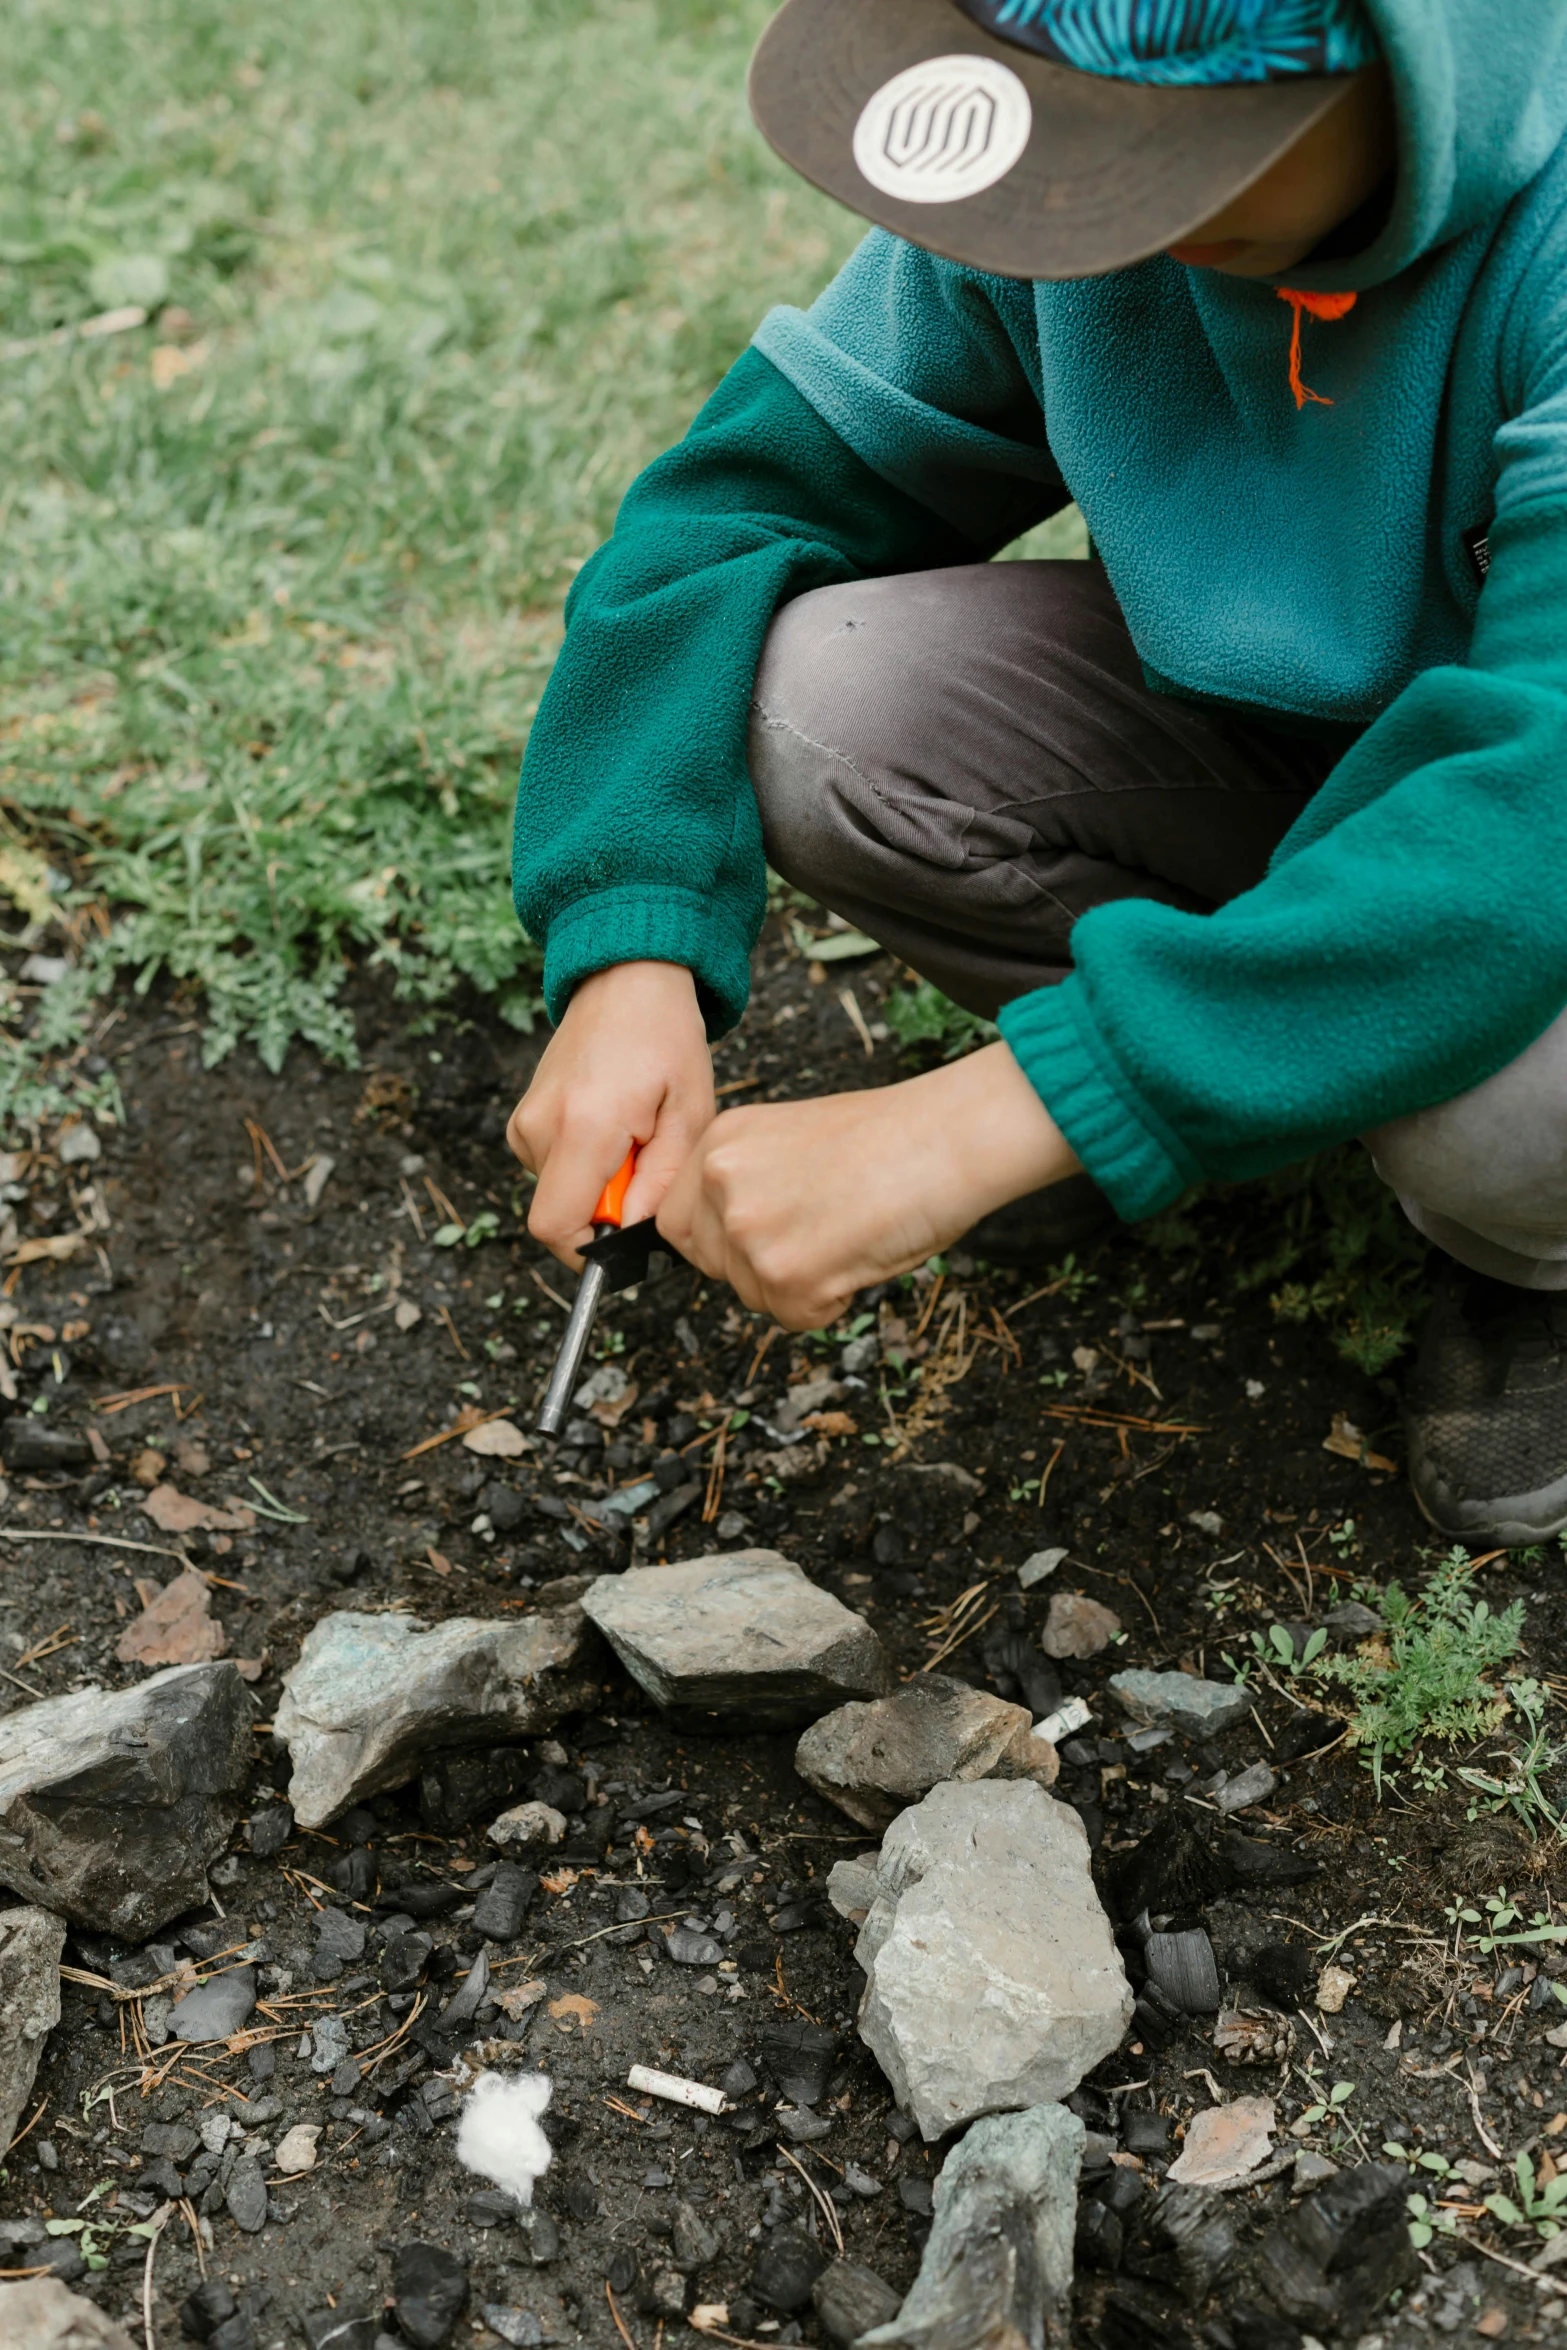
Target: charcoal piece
{"points": [[849, 2299], [204, 2310], [491, 2207], [1251, 2327], [404, 1960], [353, 1873], [269, 1830], [787, 2266], [1183, 2241], [1015, 1667], [620, 2273], [1145, 2133], [1251, 1862], [1172, 1870], [800, 2056], [1122, 2188], [455, 1787], [1183, 1967], [1284, 1972], [429, 2293], [421, 1898], [1134, 2318], [340, 2329], [1332, 2262], [26, 1444], [1100, 2238], [1155, 2019], [563, 1790], [505, 1902]]}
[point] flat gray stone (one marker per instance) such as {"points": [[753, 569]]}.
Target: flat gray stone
{"points": [[31, 1941], [216, 2009], [1077, 1626], [744, 1632], [328, 2043], [114, 1801], [1180, 1701], [340, 1940], [992, 1977], [1246, 1788], [42, 2314], [997, 2265], [372, 1698], [1038, 1565], [874, 1760], [689, 1948], [246, 2195], [851, 1886]]}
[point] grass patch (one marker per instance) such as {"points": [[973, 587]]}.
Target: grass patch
{"points": [[282, 569]]}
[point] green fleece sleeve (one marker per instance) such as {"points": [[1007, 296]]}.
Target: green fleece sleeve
{"points": [[1410, 939], [637, 833]]}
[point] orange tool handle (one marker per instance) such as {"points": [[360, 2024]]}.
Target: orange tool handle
{"points": [[612, 1199]]}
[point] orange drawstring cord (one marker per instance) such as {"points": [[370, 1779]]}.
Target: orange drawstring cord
{"points": [[1320, 306]]}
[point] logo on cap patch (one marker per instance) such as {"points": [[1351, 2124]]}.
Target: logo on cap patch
{"points": [[943, 130]]}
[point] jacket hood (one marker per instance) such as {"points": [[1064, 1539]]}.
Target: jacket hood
{"points": [[1480, 88]]}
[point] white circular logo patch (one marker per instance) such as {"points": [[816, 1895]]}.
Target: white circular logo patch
{"points": [[943, 130]]}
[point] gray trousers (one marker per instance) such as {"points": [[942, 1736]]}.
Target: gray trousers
{"points": [[962, 761]]}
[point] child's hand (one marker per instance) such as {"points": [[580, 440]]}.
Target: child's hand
{"points": [[628, 1063], [801, 1204]]}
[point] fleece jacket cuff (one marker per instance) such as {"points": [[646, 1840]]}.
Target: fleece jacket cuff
{"points": [[1130, 1153], [650, 925]]}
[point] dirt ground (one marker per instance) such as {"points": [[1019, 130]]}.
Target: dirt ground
{"points": [[1186, 1476]]}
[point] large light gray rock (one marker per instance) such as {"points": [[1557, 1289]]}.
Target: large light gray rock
{"points": [[31, 1941], [873, 1760], [992, 1976], [996, 2272], [373, 1697], [112, 1802], [745, 1632], [1180, 1701], [42, 2314]]}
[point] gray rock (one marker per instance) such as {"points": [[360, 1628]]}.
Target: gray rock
{"points": [[113, 1802], [177, 2140], [689, 1948], [997, 2265], [519, 2327], [992, 1976], [328, 2043], [850, 2299], [1246, 1788], [373, 1697], [851, 1886], [874, 1760], [340, 1939], [463, 2006], [1180, 1701], [1077, 1626], [216, 2009], [246, 2195], [1037, 1565], [744, 1632], [40, 2314], [31, 1941]]}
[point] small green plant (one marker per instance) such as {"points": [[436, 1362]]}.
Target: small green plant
{"points": [[1071, 1280], [1542, 2208], [1505, 1928], [1426, 2219], [1431, 1681], [1330, 2107], [1277, 1647], [1523, 1790], [922, 1019]]}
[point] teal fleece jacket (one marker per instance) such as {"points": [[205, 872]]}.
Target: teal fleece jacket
{"points": [[1322, 563]]}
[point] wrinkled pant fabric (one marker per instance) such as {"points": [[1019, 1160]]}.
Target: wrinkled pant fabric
{"points": [[961, 762]]}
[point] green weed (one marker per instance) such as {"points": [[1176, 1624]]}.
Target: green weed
{"points": [[1431, 1683], [923, 1020]]}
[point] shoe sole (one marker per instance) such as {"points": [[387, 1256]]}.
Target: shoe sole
{"points": [[1500, 1524]]}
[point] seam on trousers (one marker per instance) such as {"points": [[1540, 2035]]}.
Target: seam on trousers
{"points": [[827, 750]]}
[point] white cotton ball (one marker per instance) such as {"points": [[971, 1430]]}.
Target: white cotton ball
{"points": [[498, 2134]]}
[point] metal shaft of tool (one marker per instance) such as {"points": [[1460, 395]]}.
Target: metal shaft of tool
{"points": [[573, 1346]]}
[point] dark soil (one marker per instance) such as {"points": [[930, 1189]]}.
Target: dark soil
{"points": [[273, 1320]]}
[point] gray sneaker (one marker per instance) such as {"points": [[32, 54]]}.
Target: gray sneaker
{"points": [[1486, 1412], [1042, 1226]]}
